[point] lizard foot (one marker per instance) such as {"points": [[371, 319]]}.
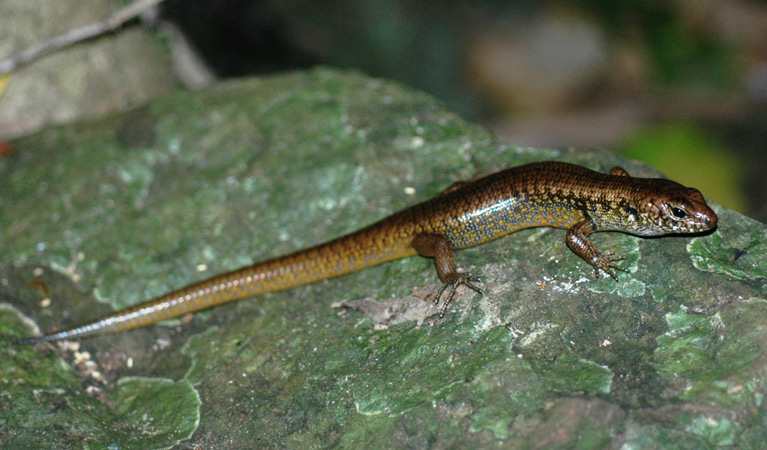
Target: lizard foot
{"points": [[452, 285], [606, 261]]}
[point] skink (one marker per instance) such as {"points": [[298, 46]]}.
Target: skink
{"points": [[545, 194]]}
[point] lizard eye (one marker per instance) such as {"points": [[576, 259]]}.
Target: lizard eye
{"points": [[678, 213]]}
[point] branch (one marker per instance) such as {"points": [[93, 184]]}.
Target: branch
{"points": [[55, 43]]}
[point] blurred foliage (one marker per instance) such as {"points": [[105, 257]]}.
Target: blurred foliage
{"points": [[688, 154], [688, 58], [683, 55]]}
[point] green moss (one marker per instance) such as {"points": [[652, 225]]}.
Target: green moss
{"points": [[695, 348], [45, 403], [718, 432], [734, 250]]}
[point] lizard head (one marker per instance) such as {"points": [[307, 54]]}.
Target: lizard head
{"points": [[668, 207]]}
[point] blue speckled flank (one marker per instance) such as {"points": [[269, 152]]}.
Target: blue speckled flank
{"points": [[507, 216]]}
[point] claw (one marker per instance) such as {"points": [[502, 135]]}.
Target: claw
{"points": [[466, 280], [605, 261]]}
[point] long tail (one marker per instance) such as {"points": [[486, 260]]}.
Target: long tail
{"points": [[339, 257]]}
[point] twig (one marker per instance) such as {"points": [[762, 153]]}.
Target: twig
{"points": [[55, 43]]}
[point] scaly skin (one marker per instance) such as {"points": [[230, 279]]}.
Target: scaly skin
{"points": [[551, 194]]}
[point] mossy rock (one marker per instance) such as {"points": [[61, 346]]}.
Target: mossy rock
{"points": [[111, 213]]}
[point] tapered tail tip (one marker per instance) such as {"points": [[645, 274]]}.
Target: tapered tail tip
{"points": [[31, 340], [54, 337]]}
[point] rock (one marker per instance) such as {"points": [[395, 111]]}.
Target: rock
{"points": [[113, 212], [89, 80]]}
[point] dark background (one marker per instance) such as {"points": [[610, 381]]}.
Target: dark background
{"points": [[680, 84]]}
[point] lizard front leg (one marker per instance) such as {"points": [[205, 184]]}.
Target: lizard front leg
{"points": [[578, 241]]}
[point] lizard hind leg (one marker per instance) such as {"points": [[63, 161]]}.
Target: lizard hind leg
{"points": [[451, 286], [437, 246]]}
